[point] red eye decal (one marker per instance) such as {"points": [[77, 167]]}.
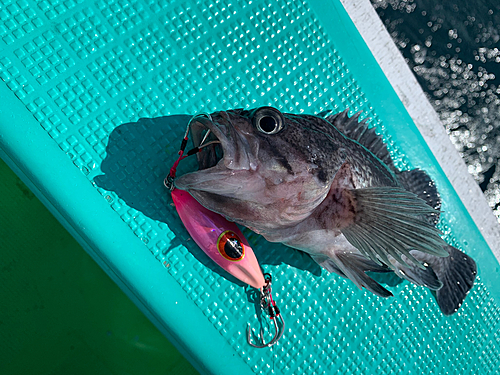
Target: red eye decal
{"points": [[230, 246]]}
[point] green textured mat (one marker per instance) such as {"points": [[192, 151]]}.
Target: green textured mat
{"points": [[60, 313], [79, 74]]}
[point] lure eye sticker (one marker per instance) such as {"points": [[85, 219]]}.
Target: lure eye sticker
{"points": [[230, 246]]}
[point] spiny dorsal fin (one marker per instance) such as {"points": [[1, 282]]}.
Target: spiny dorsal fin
{"points": [[360, 132]]}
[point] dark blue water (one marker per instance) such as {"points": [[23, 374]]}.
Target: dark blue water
{"points": [[453, 48]]}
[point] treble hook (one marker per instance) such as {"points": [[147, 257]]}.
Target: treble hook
{"points": [[267, 302]]}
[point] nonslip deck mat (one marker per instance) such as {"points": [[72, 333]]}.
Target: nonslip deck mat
{"points": [[95, 99]]}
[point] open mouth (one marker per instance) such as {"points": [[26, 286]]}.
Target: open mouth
{"points": [[208, 138], [219, 143], [225, 155]]}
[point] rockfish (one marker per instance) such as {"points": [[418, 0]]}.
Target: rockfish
{"points": [[326, 185]]}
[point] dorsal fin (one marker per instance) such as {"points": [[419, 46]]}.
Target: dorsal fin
{"points": [[360, 132], [419, 183]]}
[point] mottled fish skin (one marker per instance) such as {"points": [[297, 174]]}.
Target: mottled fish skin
{"points": [[301, 181], [295, 171]]}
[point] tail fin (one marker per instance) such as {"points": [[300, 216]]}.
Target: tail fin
{"points": [[456, 272]]}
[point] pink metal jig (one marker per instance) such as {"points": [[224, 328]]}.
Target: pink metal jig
{"points": [[220, 239]]}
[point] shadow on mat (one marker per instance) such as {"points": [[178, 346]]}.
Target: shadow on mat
{"points": [[139, 157]]}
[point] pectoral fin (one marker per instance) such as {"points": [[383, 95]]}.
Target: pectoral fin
{"points": [[389, 221]]}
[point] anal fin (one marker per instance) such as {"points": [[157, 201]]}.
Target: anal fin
{"points": [[417, 275], [354, 267]]}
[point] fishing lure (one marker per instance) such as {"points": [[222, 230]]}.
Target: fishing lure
{"points": [[224, 243], [220, 239]]}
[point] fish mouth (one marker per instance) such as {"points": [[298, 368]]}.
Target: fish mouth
{"points": [[209, 139], [225, 150], [219, 138]]}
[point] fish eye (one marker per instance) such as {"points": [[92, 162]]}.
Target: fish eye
{"points": [[268, 120]]}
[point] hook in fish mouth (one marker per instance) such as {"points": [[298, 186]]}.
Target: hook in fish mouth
{"points": [[222, 143], [227, 156], [209, 139]]}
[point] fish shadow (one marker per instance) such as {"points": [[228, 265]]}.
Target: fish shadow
{"points": [[138, 158]]}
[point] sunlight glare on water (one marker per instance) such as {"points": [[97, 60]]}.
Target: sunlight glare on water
{"points": [[452, 48]]}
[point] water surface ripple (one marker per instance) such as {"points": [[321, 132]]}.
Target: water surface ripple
{"points": [[454, 50]]}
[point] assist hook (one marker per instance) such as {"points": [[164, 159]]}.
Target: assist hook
{"points": [[169, 180], [267, 304]]}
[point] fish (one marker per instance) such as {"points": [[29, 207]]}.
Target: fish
{"points": [[326, 184]]}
